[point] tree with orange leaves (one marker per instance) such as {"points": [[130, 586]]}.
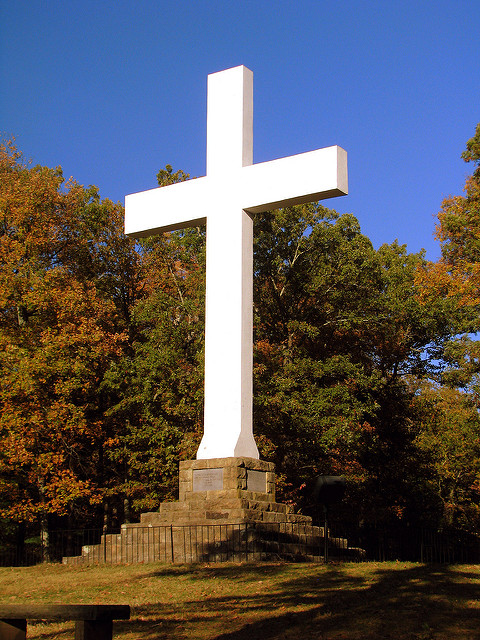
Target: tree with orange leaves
{"points": [[450, 428], [65, 295], [457, 274], [455, 277]]}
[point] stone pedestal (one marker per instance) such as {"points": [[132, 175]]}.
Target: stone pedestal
{"points": [[224, 490], [226, 511]]}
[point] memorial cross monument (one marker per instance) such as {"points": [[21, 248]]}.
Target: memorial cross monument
{"points": [[233, 189]]}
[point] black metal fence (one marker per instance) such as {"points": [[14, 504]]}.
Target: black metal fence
{"points": [[60, 543], [242, 542], [203, 543], [416, 545]]}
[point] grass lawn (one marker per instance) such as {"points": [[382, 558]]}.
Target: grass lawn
{"points": [[263, 601]]}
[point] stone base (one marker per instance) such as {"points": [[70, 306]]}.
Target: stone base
{"points": [[226, 511], [224, 490]]}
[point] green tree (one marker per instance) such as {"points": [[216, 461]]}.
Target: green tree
{"points": [[160, 383], [448, 443], [448, 435], [102, 348], [338, 329]]}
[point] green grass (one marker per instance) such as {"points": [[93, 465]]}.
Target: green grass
{"points": [[265, 601]]}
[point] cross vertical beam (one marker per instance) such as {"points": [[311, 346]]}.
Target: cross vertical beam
{"points": [[229, 281], [229, 120]]}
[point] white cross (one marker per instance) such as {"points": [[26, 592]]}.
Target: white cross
{"points": [[225, 198]]}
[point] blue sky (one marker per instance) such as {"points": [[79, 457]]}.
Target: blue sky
{"points": [[113, 91]]}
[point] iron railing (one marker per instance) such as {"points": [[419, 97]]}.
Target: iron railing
{"points": [[241, 542]]}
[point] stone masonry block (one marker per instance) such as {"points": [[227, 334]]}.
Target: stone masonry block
{"points": [[231, 503], [216, 515], [185, 475], [256, 495], [172, 506], [213, 463], [218, 495], [186, 464]]}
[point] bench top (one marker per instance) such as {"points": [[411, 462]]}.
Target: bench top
{"points": [[64, 611]]}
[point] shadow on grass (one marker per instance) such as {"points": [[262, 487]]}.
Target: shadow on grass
{"points": [[242, 571], [418, 602]]}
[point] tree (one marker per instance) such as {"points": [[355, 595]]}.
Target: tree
{"points": [[64, 298], [457, 274], [449, 428], [338, 328], [448, 443], [160, 383], [101, 357], [455, 277]]}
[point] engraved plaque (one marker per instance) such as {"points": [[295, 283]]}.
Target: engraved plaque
{"points": [[207, 479], [256, 481]]}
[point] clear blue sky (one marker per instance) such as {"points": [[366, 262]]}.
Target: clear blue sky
{"points": [[113, 91]]}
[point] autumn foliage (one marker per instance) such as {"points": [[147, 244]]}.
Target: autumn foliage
{"points": [[365, 362], [61, 327]]}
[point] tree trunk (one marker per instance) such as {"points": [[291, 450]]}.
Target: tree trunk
{"points": [[20, 543], [44, 537]]}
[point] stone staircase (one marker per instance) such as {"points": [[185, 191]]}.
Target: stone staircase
{"points": [[226, 512]]}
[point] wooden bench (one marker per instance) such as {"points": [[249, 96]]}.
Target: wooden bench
{"points": [[92, 621]]}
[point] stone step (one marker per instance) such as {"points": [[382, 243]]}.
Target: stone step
{"points": [[198, 543], [206, 515], [223, 503], [228, 508]]}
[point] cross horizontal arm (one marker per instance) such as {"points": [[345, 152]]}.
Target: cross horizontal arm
{"points": [[169, 208], [307, 177]]}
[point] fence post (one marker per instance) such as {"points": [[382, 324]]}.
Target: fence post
{"points": [[325, 534]]}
